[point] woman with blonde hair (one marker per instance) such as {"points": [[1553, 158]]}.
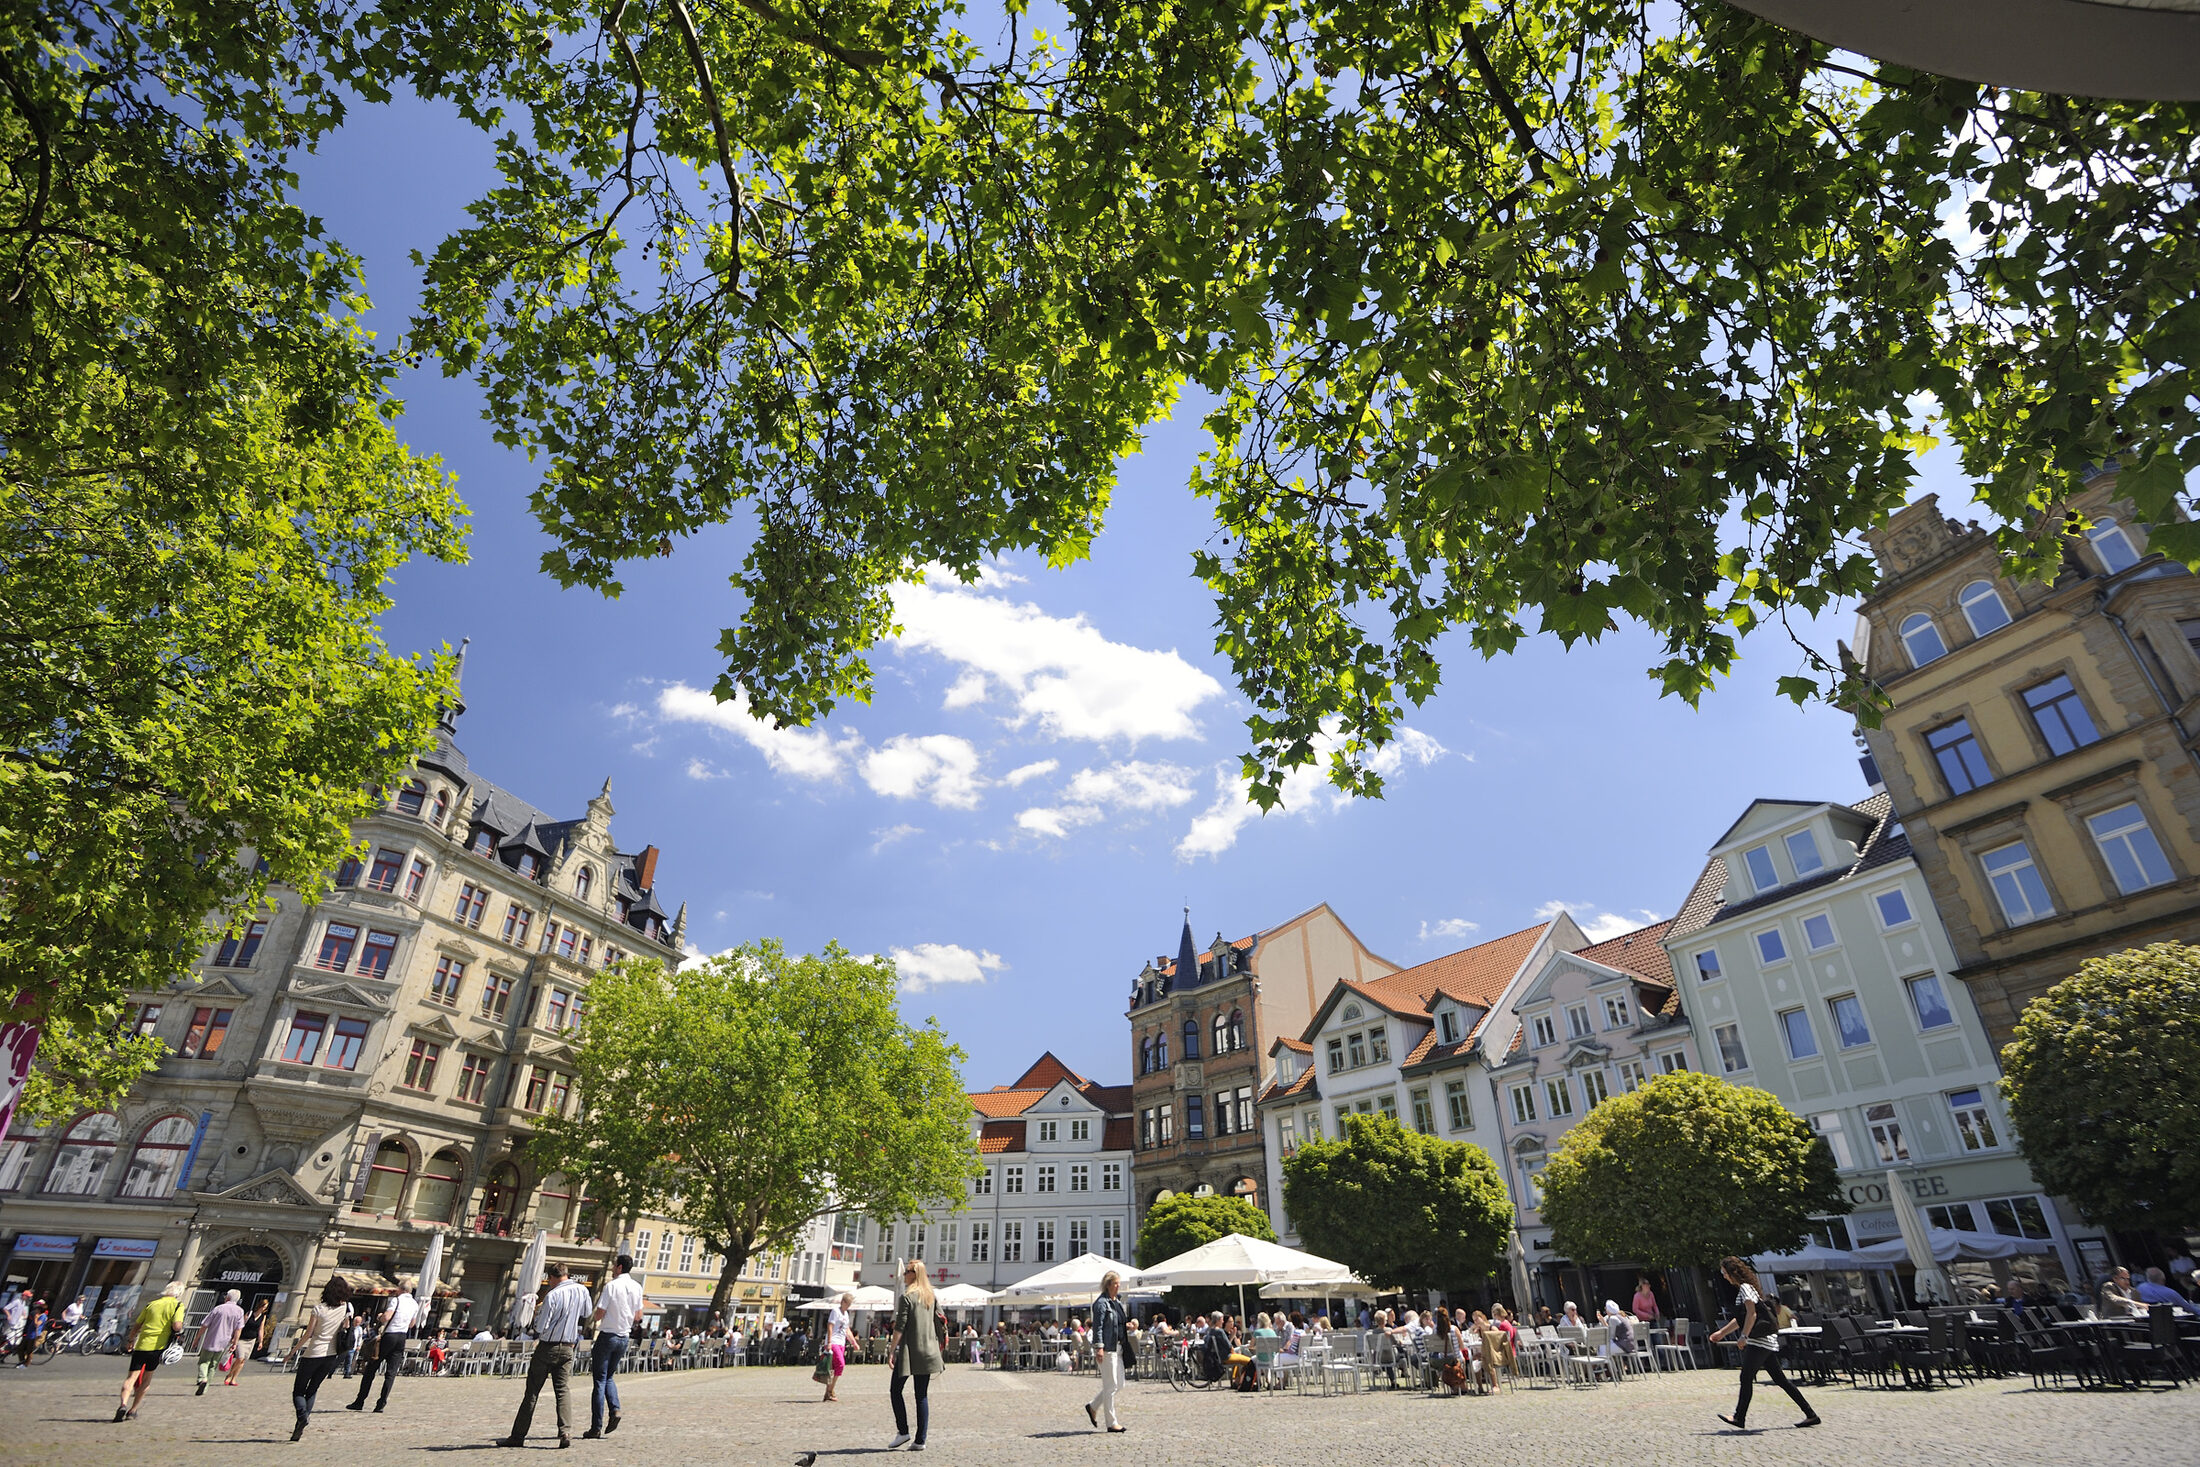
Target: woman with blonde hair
{"points": [[1112, 1344], [916, 1351], [836, 1343]]}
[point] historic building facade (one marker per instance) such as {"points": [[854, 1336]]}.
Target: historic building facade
{"points": [[1814, 966], [1056, 1154], [1588, 1022], [1416, 1045], [2040, 751], [348, 1077], [1199, 1025]]}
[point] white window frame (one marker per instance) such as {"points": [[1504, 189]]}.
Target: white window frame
{"points": [[1111, 1176], [2139, 852], [1580, 1023], [1978, 594], [1619, 1013], [2013, 869], [1560, 1096], [1809, 847], [1458, 1106], [1757, 941], [1718, 969], [1884, 1124], [1833, 933], [1595, 1089], [1909, 913], [1763, 875], [1733, 1056], [1633, 1075], [1673, 1062], [981, 1242], [1973, 1116], [1545, 1030], [1828, 1126], [1080, 1177], [1947, 1006], [1787, 1034], [1840, 1034], [1911, 626], [1523, 1100], [2104, 531]]}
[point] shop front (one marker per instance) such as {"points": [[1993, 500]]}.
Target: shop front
{"points": [[255, 1270], [43, 1265], [117, 1273]]}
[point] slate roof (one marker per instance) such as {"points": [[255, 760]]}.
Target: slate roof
{"points": [[1885, 845]]}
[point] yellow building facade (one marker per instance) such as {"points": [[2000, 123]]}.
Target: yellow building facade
{"points": [[2040, 750]]}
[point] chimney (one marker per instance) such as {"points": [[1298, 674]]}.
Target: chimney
{"points": [[645, 869]]}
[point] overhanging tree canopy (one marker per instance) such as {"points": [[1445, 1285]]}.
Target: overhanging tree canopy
{"points": [[1514, 317], [1685, 1170], [751, 1093], [2099, 1079]]}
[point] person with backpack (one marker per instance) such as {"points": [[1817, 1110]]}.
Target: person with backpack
{"points": [[1759, 1323], [150, 1335]]}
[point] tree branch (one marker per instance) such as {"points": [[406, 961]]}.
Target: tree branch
{"points": [[717, 126], [1503, 96]]}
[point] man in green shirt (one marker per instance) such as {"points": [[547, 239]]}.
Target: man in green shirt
{"points": [[156, 1324]]}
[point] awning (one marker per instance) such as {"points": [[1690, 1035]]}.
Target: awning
{"points": [[1810, 1258], [1949, 1244], [410, 1283], [368, 1283]]}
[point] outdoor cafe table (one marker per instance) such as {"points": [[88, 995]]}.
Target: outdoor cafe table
{"points": [[1809, 1356], [2093, 1335], [1894, 1334]]}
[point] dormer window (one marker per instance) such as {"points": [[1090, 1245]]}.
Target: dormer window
{"points": [[1447, 1025], [582, 884], [2113, 546], [529, 865], [484, 842], [1803, 853], [1982, 608], [1763, 875], [1921, 639]]}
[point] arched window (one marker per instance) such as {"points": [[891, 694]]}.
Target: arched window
{"points": [[2113, 546], [1145, 1056], [1982, 608], [1237, 1029], [554, 1204], [1191, 1039], [583, 883], [15, 1153], [412, 796], [437, 1195], [156, 1166], [1921, 639], [87, 1151], [441, 808], [1221, 1043], [1161, 1050], [499, 1198], [386, 1178]]}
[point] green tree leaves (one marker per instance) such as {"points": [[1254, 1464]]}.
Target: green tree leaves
{"points": [[2099, 1084], [1181, 1223], [201, 497], [752, 1092], [1401, 1209], [1684, 1171]]}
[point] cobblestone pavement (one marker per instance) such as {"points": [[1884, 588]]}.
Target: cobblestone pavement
{"points": [[60, 1414]]}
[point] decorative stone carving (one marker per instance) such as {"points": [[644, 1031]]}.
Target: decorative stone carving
{"points": [[274, 1186]]}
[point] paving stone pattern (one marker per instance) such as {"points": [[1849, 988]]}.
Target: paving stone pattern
{"points": [[60, 1414]]}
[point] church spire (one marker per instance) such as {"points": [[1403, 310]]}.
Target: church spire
{"points": [[447, 717], [1187, 955]]}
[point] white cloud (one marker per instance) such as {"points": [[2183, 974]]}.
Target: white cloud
{"points": [[930, 964], [1137, 786], [1447, 928], [1060, 672], [1305, 790], [1022, 772], [700, 769], [888, 835], [937, 767], [1596, 925], [802, 752]]}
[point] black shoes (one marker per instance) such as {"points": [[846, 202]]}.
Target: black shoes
{"points": [[1810, 1420], [358, 1405], [122, 1413], [592, 1435], [612, 1424], [1730, 1421], [1091, 1415], [299, 1430], [201, 1390], [378, 1405]]}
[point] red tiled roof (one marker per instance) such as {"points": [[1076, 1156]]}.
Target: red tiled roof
{"points": [[1637, 952], [1297, 1046], [1475, 975], [1047, 1073], [996, 1136], [1116, 1135], [1005, 1102], [1114, 1099], [1303, 1085]]}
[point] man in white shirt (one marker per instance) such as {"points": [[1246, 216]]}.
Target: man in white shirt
{"points": [[557, 1330], [617, 1307], [398, 1318]]}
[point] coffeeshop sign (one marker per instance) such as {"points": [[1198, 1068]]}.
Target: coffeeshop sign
{"points": [[1922, 1188]]}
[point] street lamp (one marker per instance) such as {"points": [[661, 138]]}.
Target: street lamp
{"points": [[2145, 50]]}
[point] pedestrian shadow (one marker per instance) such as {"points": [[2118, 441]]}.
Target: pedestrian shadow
{"points": [[476, 1447], [1040, 1436], [238, 1441]]}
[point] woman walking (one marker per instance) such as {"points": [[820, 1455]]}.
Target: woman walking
{"points": [[836, 1343], [1111, 1322], [1759, 1324], [916, 1352], [248, 1341], [316, 1349]]}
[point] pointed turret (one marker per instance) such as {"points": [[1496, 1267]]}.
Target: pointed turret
{"points": [[1187, 954], [447, 717]]}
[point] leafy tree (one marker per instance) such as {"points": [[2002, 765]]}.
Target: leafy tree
{"points": [[1401, 1209], [1514, 317], [201, 499], [1684, 1171], [1181, 1223], [749, 1094], [2099, 1080]]}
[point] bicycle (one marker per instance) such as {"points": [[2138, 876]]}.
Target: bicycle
{"points": [[77, 1339], [1188, 1367]]}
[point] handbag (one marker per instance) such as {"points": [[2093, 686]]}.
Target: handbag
{"points": [[824, 1372]]}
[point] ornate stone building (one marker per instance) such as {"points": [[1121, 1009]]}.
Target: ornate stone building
{"points": [[1199, 1026], [2041, 750], [348, 1077]]}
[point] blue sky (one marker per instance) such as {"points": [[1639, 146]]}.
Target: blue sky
{"points": [[1043, 780]]}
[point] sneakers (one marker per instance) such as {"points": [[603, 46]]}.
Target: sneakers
{"points": [[122, 1413], [916, 1446], [899, 1438], [592, 1435]]}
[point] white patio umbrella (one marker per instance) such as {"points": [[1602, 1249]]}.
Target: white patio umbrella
{"points": [[820, 1305], [962, 1296], [1810, 1258], [530, 1279], [1946, 1244], [873, 1297], [1072, 1281], [431, 1269], [1317, 1288], [1237, 1259], [1915, 1239]]}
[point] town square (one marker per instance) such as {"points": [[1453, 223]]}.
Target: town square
{"points": [[773, 729]]}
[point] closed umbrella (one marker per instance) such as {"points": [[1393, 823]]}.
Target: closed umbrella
{"points": [[1915, 1240], [431, 1269], [530, 1279], [1521, 1291]]}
